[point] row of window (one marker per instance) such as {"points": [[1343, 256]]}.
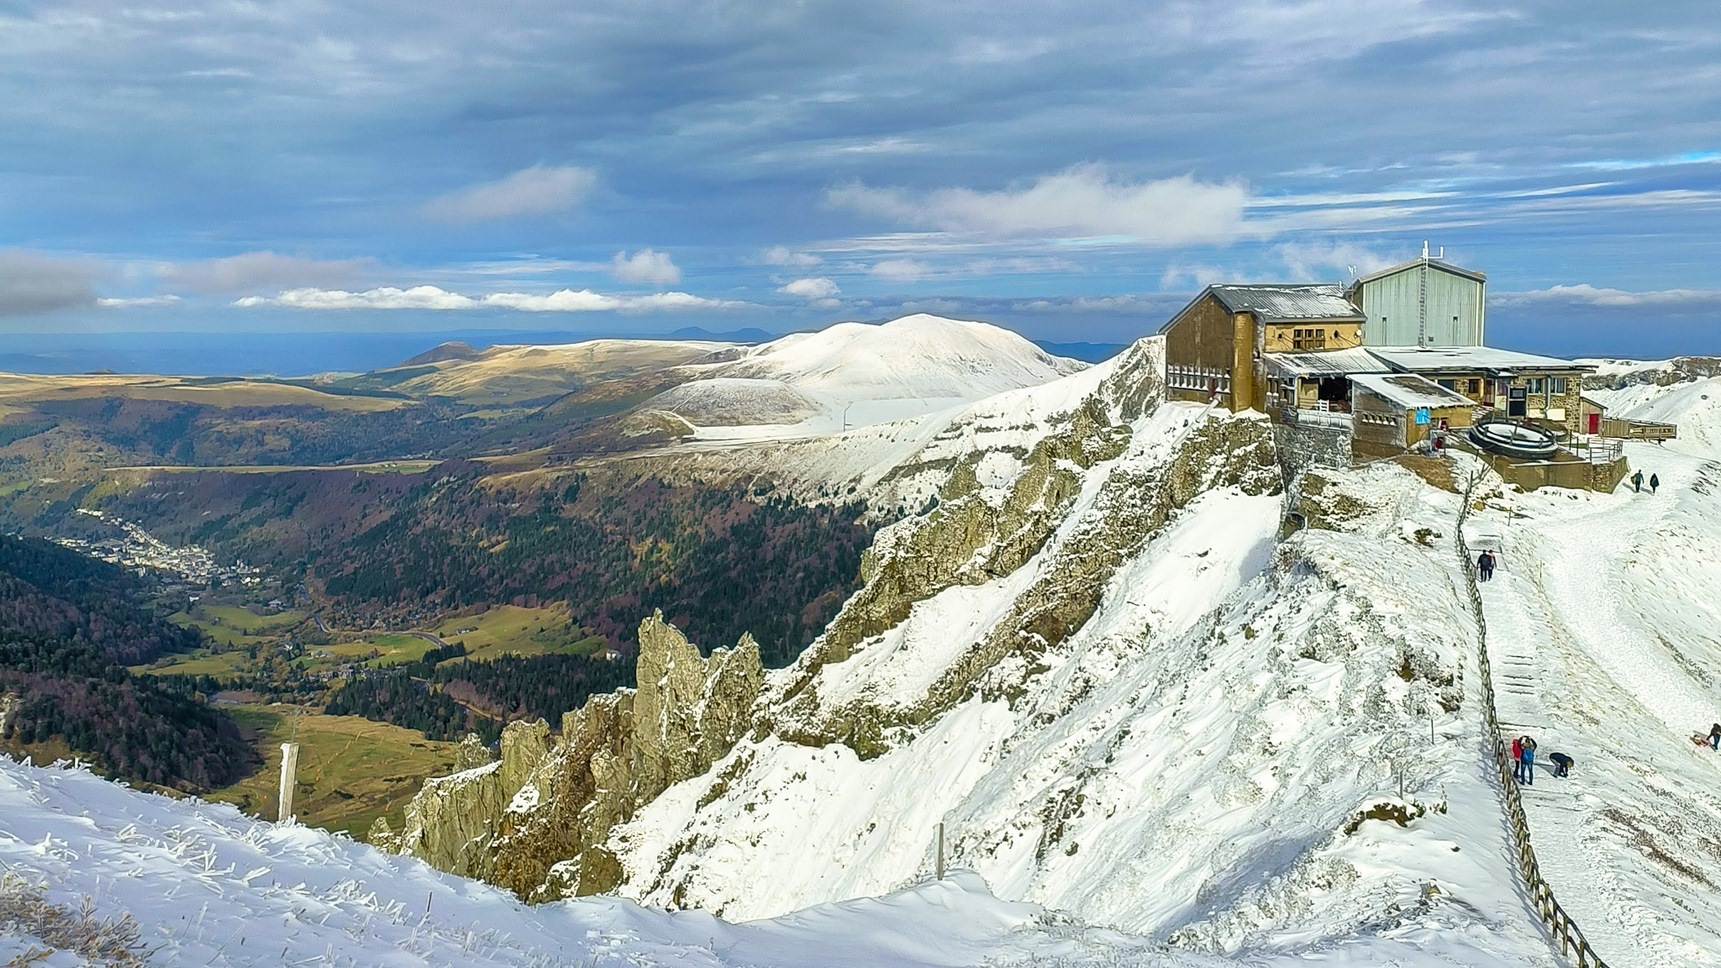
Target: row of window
{"points": [[1205, 378], [1539, 385]]}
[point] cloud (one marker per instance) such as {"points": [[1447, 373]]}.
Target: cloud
{"points": [[436, 298], [782, 255], [1585, 294], [902, 270], [1079, 202], [31, 282], [262, 270], [136, 301], [646, 265], [537, 190], [817, 287], [1322, 261]]}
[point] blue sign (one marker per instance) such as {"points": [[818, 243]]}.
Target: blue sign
{"points": [[1421, 415]]}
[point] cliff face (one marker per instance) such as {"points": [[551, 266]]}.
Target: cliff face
{"points": [[1043, 496], [535, 821]]}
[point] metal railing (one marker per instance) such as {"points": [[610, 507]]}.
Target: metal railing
{"points": [[1560, 925]]}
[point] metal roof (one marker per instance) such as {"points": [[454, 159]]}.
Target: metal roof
{"points": [[1410, 391], [1469, 359], [1414, 263], [1284, 303], [1326, 362]]}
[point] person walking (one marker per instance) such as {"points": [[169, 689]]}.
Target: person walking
{"points": [[1562, 763], [1518, 758], [1636, 482], [1529, 761], [1654, 483], [1485, 566], [1715, 737]]}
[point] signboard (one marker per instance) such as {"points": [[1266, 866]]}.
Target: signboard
{"points": [[1421, 415]]}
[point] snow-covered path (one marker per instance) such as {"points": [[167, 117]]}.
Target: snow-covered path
{"points": [[1600, 628]]}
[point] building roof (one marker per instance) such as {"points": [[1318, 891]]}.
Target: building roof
{"points": [[1470, 359], [1414, 263], [1409, 390], [1286, 303], [1326, 362]]}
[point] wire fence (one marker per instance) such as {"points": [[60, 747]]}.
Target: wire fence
{"points": [[1561, 927]]}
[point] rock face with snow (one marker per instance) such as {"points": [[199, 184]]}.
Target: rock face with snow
{"points": [[536, 821]]}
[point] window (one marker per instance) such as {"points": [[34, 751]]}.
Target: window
{"points": [[1557, 385], [1475, 387], [1448, 384], [1308, 339]]}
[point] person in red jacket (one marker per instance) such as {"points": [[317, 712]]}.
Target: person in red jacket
{"points": [[1518, 759]]}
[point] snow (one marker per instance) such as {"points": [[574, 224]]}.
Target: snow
{"points": [[209, 886], [857, 374], [1184, 767]]}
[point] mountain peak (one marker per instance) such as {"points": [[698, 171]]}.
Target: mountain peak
{"points": [[452, 350]]}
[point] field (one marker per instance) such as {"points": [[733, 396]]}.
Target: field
{"points": [[351, 770], [513, 630], [379, 650], [22, 387], [235, 626], [200, 663]]}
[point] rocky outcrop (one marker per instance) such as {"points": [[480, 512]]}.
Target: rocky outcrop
{"points": [[1134, 502], [1680, 369], [535, 821]]}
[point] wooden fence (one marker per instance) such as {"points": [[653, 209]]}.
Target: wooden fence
{"points": [[1565, 931]]}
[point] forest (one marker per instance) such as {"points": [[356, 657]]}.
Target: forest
{"points": [[718, 560], [449, 701], [69, 624]]}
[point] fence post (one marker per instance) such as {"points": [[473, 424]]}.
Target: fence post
{"points": [[939, 869]]}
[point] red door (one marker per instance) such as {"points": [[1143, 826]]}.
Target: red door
{"points": [[1595, 423]]}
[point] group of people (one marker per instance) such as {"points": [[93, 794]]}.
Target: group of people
{"points": [[1524, 761], [1485, 566], [1637, 482]]}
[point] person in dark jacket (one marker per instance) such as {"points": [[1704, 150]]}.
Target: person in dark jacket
{"points": [[1562, 763], [1715, 737], [1654, 483], [1485, 566], [1636, 482]]}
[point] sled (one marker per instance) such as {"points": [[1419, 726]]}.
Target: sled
{"points": [[1700, 740]]}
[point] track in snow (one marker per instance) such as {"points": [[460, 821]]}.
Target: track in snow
{"points": [[1579, 642]]}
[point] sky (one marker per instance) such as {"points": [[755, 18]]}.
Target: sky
{"points": [[1076, 171]]}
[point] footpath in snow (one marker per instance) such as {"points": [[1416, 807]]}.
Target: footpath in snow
{"points": [[1603, 632]]}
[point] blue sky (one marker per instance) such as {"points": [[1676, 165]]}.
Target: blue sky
{"points": [[1074, 171]]}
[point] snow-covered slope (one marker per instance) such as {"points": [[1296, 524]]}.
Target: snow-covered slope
{"points": [[1095, 663], [1605, 627], [919, 356], [861, 374], [207, 886]]}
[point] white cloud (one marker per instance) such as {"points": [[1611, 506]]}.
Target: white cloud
{"points": [[901, 270], [782, 255], [817, 287], [435, 298], [262, 270], [646, 265], [1587, 295], [1178, 276], [1080, 202], [136, 301], [31, 282], [1329, 260], [538, 190]]}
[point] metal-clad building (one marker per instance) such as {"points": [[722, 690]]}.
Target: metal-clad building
{"points": [[1425, 302]]}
